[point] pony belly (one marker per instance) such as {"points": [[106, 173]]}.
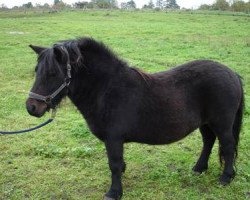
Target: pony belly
{"points": [[156, 138]]}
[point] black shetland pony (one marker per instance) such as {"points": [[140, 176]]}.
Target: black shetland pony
{"points": [[123, 104]]}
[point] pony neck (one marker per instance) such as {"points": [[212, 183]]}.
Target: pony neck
{"points": [[92, 79]]}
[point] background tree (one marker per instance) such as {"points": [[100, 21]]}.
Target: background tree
{"points": [[3, 7], [128, 5], [38, 5], [159, 4], [56, 2], [248, 6], [150, 5], [114, 3], [205, 7], [28, 5], [124, 5], [81, 4], [131, 4], [239, 6], [171, 4], [221, 5], [46, 6], [103, 4], [59, 5]]}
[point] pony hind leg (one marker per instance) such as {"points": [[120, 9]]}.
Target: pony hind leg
{"points": [[227, 152], [208, 138]]}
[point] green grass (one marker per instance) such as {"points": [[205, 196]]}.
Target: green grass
{"points": [[64, 160]]}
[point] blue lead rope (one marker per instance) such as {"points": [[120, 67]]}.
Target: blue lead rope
{"points": [[30, 129], [26, 130]]}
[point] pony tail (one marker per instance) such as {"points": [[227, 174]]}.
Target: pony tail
{"points": [[238, 121], [236, 127]]}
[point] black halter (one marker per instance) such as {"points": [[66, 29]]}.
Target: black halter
{"points": [[48, 99]]}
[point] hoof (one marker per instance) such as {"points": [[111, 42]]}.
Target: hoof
{"points": [[109, 198], [111, 195], [196, 173], [199, 170], [224, 182], [225, 179]]}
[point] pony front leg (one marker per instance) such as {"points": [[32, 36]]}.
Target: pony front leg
{"points": [[116, 164]]}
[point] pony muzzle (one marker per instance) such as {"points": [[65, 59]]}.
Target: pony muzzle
{"points": [[36, 108]]}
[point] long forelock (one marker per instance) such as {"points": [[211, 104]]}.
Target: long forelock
{"points": [[48, 63]]}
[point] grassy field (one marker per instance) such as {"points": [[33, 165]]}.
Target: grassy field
{"points": [[64, 160]]}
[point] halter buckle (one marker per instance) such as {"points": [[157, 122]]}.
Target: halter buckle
{"points": [[48, 100], [68, 70], [67, 81]]}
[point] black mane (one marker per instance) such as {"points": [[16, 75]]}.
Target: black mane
{"points": [[79, 49]]}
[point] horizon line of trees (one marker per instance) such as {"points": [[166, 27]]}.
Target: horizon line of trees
{"points": [[223, 5], [92, 4], [161, 5], [101, 4], [230, 5]]}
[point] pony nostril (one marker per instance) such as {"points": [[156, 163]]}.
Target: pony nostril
{"points": [[33, 108]]}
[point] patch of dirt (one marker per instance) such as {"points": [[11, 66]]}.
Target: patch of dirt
{"points": [[17, 33]]}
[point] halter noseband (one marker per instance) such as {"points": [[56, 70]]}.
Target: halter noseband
{"points": [[48, 99]]}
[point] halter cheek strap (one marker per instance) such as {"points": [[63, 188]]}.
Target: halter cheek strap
{"points": [[48, 99]]}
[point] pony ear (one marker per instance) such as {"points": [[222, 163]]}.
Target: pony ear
{"points": [[59, 54], [37, 49]]}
